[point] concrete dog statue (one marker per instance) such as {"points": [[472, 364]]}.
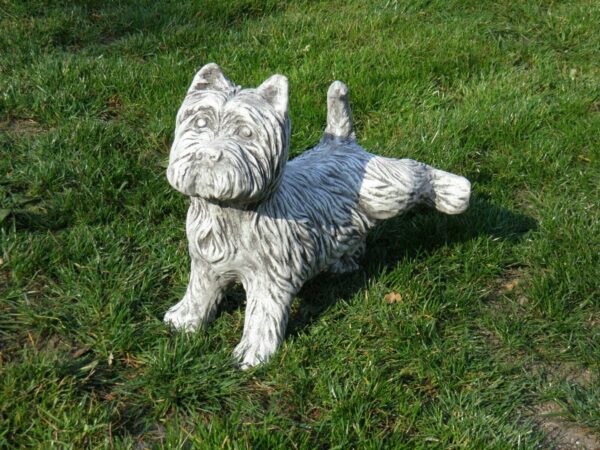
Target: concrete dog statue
{"points": [[271, 224]]}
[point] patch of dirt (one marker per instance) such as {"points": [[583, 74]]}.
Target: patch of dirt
{"points": [[513, 279], [48, 343], [114, 106], [570, 372], [506, 293], [526, 201], [512, 283], [152, 437], [561, 433], [21, 126], [574, 373]]}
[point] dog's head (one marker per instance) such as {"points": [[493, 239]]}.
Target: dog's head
{"points": [[230, 144]]}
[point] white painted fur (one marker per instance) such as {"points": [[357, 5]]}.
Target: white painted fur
{"points": [[270, 224]]}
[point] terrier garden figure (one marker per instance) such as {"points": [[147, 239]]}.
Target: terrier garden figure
{"points": [[270, 224]]}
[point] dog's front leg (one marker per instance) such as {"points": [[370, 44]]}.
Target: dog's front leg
{"points": [[267, 311], [199, 304]]}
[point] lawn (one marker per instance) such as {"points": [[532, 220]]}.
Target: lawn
{"points": [[491, 335]]}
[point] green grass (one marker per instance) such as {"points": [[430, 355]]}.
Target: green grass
{"points": [[499, 309]]}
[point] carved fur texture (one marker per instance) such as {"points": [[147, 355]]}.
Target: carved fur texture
{"points": [[270, 224]]}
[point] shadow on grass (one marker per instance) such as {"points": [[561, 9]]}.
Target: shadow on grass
{"points": [[89, 24], [409, 238]]}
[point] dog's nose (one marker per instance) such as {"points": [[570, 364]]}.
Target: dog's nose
{"points": [[210, 154]]}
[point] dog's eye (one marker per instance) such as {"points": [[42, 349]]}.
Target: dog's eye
{"points": [[201, 122], [245, 132]]}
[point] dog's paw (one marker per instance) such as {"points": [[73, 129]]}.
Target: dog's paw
{"points": [[182, 318], [251, 354]]}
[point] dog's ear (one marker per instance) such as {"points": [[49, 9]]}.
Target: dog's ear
{"points": [[275, 91], [211, 77]]}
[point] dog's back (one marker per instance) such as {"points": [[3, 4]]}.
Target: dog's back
{"points": [[317, 206], [332, 195]]}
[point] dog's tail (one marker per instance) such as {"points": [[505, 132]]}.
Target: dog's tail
{"points": [[339, 115], [449, 193]]}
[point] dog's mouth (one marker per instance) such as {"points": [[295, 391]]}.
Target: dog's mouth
{"points": [[200, 176], [221, 170]]}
